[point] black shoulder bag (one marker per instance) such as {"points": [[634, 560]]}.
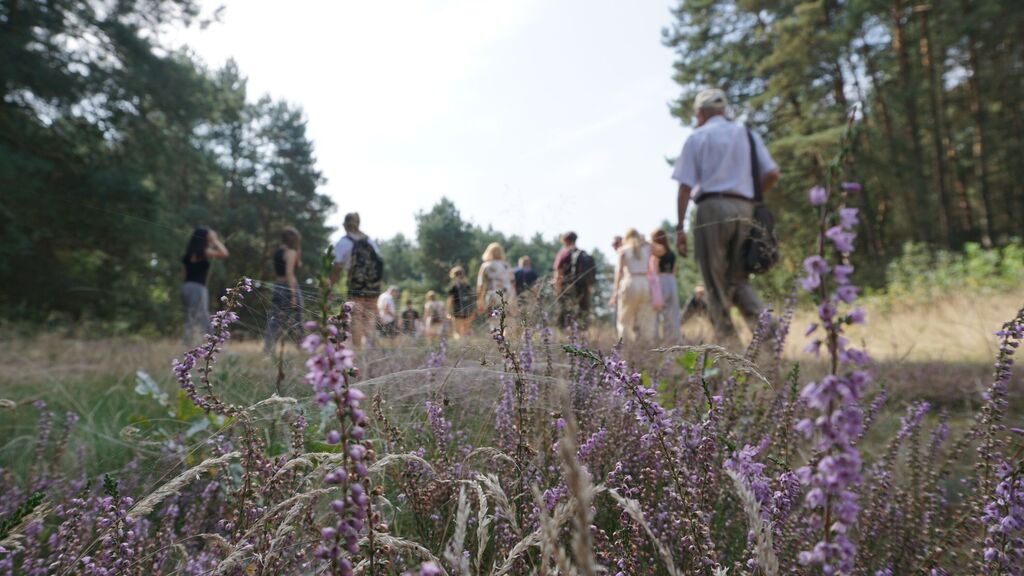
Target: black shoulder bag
{"points": [[761, 248]]}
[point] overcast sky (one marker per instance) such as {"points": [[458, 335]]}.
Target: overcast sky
{"points": [[531, 115]]}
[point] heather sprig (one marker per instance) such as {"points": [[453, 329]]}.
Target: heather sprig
{"points": [[203, 357], [330, 371], [834, 478]]}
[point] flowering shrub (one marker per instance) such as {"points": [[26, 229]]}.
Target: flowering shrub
{"points": [[707, 462]]}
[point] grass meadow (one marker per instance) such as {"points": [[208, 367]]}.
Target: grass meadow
{"points": [[465, 449]]}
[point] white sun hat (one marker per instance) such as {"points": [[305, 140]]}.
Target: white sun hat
{"points": [[711, 99]]}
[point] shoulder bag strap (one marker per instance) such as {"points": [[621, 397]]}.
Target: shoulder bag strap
{"points": [[755, 168]]}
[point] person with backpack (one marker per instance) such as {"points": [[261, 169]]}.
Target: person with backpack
{"points": [[575, 276], [460, 303], [358, 256], [725, 169], [433, 315]]}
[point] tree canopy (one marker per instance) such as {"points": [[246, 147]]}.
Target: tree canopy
{"points": [[942, 94], [113, 147]]}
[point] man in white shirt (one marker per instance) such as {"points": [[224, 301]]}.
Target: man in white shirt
{"points": [[358, 256], [387, 312], [715, 171]]}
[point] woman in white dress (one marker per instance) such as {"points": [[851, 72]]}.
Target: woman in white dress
{"points": [[495, 276], [632, 289]]}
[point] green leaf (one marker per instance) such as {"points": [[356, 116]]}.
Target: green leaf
{"points": [[688, 360], [317, 446]]}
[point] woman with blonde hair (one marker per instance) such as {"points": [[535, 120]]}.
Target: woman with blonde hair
{"points": [[460, 303], [495, 276], [664, 261], [632, 290], [433, 315]]}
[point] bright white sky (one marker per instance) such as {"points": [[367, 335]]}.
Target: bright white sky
{"points": [[531, 115]]}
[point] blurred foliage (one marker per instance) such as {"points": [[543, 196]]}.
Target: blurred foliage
{"points": [[918, 272], [114, 146], [941, 119]]}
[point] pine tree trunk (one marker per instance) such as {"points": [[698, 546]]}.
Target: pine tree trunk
{"points": [[935, 107], [1013, 142], [920, 207], [960, 187], [871, 223], [880, 104], [978, 147]]}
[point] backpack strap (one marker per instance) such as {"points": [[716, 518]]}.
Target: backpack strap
{"points": [[755, 168]]}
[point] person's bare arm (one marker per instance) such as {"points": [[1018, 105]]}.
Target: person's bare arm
{"points": [[291, 258], [215, 249], [652, 272], [618, 277], [682, 201], [335, 273], [769, 180]]}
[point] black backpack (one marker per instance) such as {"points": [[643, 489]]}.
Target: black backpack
{"points": [[761, 248], [366, 269], [582, 270]]}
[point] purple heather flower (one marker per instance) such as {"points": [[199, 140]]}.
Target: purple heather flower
{"points": [[817, 195], [850, 186], [847, 293], [842, 240], [357, 452], [848, 218], [810, 283], [816, 265], [841, 273], [333, 437], [429, 569], [857, 316], [827, 312]]}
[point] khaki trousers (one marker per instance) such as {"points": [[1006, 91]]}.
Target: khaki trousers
{"points": [[364, 320], [721, 226]]}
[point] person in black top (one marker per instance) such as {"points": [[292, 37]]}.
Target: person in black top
{"points": [[203, 246], [669, 320], [410, 318], [286, 302], [525, 278], [461, 304]]}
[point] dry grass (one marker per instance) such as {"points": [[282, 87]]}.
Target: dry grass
{"points": [[955, 328]]}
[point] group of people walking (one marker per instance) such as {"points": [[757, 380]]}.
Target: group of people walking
{"points": [[644, 292], [724, 168]]}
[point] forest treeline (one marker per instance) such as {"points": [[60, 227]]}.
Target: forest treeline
{"points": [[940, 150], [114, 145]]}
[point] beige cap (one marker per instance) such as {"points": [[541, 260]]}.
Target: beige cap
{"points": [[711, 99]]}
